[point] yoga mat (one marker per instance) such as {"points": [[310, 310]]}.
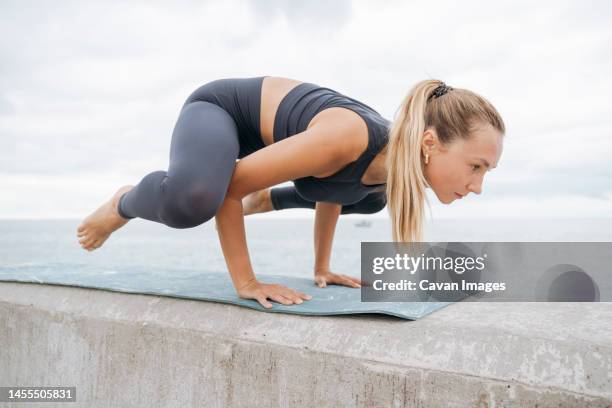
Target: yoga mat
{"points": [[211, 286]]}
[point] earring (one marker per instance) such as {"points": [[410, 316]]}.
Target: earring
{"points": [[426, 158]]}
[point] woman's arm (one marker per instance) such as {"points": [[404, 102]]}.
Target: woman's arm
{"points": [[232, 236], [326, 218], [230, 226], [320, 149]]}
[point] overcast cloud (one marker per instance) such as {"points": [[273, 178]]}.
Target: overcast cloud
{"points": [[90, 92]]}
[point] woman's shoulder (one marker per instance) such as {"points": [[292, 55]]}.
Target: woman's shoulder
{"points": [[346, 128]]}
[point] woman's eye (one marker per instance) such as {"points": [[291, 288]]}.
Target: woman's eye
{"points": [[475, 167]]}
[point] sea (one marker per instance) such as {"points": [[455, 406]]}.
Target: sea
{"points": [[282, 246]]}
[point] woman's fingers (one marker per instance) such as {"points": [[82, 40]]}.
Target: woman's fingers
{"points": [[301, 295], [352, 279], [292, 294], [280, 294], [280, 299], [337, 279], [295, 296], [320, 281], [264, 302], [344, 280], [348, 282], [294, 299]]}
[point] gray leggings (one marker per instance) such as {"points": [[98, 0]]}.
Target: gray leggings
{"points": [[203, 154], [288, 197], [203, 151]]}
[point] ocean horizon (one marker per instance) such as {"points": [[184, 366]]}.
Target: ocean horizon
{"points": [[276, 246]]}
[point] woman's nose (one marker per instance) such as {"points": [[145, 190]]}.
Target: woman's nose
{"points": [[475, 187]]}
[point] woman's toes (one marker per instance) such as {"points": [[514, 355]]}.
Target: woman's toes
{"points": [[87, 242]]}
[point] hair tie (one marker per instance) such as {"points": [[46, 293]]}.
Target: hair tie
{"points": [[439, 91]]}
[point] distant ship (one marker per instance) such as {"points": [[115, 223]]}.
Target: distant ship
{"points": [[364, 224]]}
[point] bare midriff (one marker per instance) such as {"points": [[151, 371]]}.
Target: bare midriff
{"points": [[273, 90]]}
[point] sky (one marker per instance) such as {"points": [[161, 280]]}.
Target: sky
{"points": [[90, 91]]}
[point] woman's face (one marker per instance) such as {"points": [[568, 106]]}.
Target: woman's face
{"points": [[456, 169]]}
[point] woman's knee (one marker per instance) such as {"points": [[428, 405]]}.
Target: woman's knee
{"points": [[376, 205], [371, 204], [191, 207]]}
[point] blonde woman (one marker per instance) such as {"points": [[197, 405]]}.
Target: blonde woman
{"points": [[336, 150]]}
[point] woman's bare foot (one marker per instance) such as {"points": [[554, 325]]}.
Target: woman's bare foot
{"points": [[98, 226], [257, 202]]}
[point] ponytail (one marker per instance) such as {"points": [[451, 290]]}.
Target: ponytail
{"points": [[452, 115]]}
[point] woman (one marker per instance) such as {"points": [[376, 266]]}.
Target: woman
{"points": [[336, 150]]}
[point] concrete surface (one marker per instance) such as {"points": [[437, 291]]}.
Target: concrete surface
{"points": [[123, 350]]}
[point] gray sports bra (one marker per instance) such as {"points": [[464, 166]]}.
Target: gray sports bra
{"points": [[294, 113]]}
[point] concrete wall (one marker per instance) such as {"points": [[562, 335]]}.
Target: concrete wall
{"points": [[123, 350]]}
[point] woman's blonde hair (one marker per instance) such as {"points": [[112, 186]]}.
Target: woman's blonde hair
{"points": [[453, 115]]}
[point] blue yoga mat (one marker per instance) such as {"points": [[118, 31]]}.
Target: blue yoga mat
{"points": [[213, 287]]}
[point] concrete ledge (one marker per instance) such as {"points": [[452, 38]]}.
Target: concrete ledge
{"points": [[135, 350]]}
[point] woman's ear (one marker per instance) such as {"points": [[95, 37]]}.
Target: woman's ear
{"points": [[429, 141]]}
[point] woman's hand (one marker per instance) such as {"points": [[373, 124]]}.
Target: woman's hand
{"points": [[324, 277], [279, 293]]}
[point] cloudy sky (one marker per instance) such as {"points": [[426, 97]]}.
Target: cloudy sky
{"points": [[90, 92]]}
